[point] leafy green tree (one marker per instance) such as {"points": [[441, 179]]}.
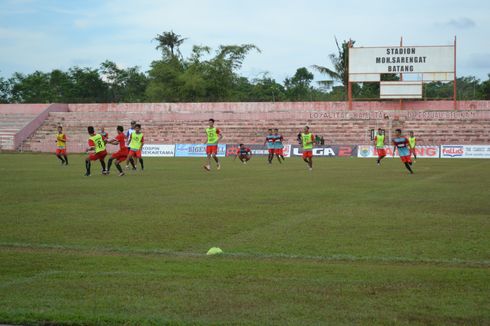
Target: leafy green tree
{"points": [[125, 85], [4, 90], [468, 88], [298, 87], [33, 88], [485, 89], [221, 71], [164, 83], [61, 86], [87, 86], [266, 89]]}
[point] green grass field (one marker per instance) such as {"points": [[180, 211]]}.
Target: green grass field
{"points": [[349, 243]]}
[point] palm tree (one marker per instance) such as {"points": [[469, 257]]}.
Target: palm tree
{"points": [[340, 60], [169, 43]]}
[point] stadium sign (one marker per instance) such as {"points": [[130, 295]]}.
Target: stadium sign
{"points": [[158, 150], [423, 63], [196, 150], [402, 59]]}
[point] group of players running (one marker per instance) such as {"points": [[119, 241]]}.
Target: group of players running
{"points": [[131, 144], [405, 146]]}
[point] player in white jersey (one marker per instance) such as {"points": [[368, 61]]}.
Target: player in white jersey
{"points": [[128, 137]]}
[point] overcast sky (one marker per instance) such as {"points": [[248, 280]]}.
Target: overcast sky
{"points": [[48, 34]]}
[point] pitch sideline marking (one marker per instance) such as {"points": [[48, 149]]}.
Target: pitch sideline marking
{"points": [[245, 255]]}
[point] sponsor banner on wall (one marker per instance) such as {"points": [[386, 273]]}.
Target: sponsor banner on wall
{"points": [[158, 150], [196, 150], [423, 151], [329, 150], [465, 151], [452, 151], [259, 150]]}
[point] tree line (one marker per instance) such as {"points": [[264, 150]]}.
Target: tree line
{"points": [[207, 75]]}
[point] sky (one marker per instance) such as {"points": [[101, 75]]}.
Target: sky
{"points": [[58, 34]]}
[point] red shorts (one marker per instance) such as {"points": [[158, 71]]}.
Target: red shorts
{"points": [[212, 149], [244, 156], [412, 150], [97, 156], [121, 154], [406, 159], [307, 154], [136, 154], [381, 152], [61, 151], [279, 151], [272, 150]]}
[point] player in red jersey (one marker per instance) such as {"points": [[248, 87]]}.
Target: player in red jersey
{"points": [[243, 153], [122, 154], [96, 150]]}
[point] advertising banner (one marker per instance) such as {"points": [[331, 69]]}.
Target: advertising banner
{"points": [[329, 151], [259, 150], [158, 150], [422, 151], [465, 151], [452, 151], [477, 151], [196, 150]]}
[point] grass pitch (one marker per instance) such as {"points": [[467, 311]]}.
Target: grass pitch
{"points": [[349, 243]]}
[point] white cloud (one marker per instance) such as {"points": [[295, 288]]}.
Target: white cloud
{"points": [[290, 33]]}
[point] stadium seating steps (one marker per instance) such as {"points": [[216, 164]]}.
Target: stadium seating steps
{"points": [[187, 126]]}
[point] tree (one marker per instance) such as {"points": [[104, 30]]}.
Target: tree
{"points": [[266, 89], [221, 71], [169, 43], [298, 88], [164, 83], [61, 86], [485, 89], [340, 61], [87, 86], [125, 85], [468, 88], [4, 91], [33, 88]]}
